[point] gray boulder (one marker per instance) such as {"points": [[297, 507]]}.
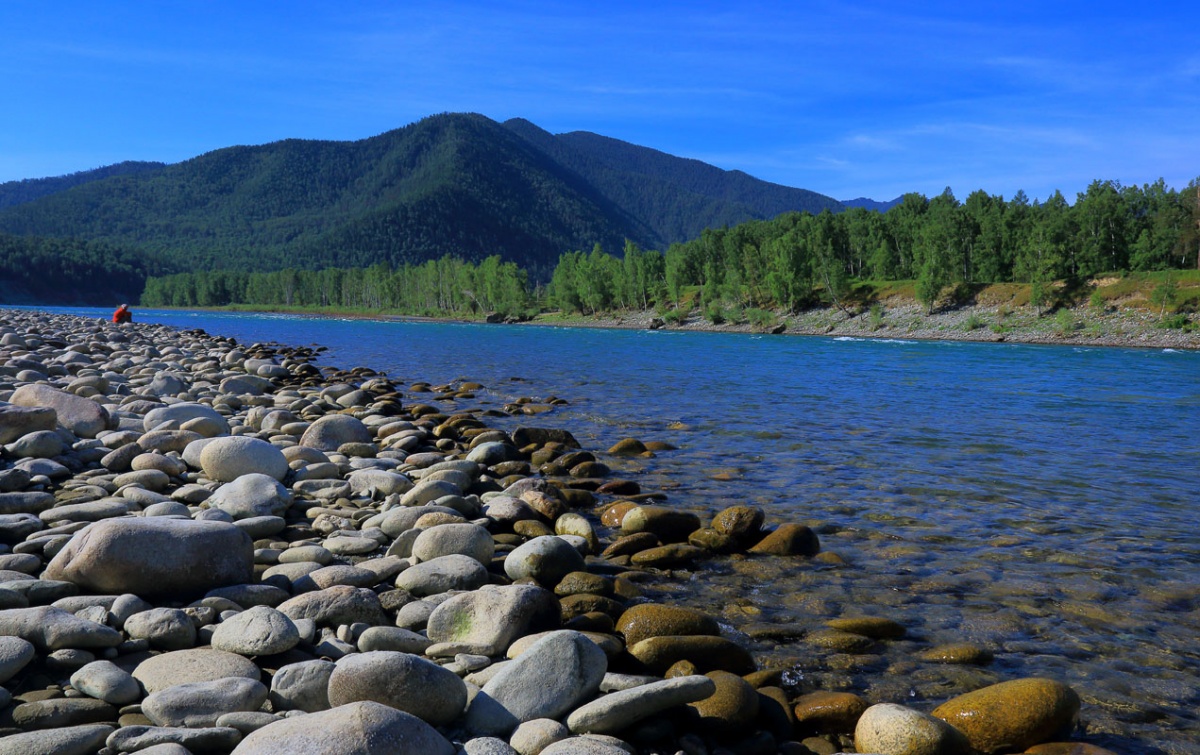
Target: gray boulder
{"points": [[442, 574], [256, 631], [302, 686], [200, 704], [155, 557], [196, 665], [16, 421], [106, 681], [545, 559], [252, 495], [227, 458], [332, 430], [180, 414], [551, 677], [82, 416], [362, 728], [487, 620], [465, 539], [402, 681], [50, 629]]}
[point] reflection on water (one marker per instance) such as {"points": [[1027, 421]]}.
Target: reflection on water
{"points": [[1037, 501]]}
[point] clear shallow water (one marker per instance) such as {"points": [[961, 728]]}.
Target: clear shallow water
{"points": [[1040, 501]]}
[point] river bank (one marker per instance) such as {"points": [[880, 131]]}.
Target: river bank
{"points": [[312, 562]]}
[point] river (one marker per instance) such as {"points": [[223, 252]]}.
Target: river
{"points": [[1039, 501]]}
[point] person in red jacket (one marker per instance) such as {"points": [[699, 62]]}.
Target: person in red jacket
{"points": [[122, 315]]}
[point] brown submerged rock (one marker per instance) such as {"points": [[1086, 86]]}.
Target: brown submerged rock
{"points": [[1012, 715], [959, 653], [875, 627], [828, 712], [657, 620], [669, 525], [733, 705], [789, 540], [707, 652]]}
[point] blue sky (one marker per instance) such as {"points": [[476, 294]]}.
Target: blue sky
{"points": [[845, 98]]}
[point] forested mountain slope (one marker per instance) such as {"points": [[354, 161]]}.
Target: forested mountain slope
{"points": [[19, 192], [450, 184], [676, 197]]}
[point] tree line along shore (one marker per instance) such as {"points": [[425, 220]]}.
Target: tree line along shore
{"points": [[1115, 247]]}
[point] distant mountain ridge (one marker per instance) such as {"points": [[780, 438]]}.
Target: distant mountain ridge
{"points": [[13, 193], [458, 184]]}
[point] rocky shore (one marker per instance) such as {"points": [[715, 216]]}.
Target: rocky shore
{"points": [[209, 547], [1128, 327]]}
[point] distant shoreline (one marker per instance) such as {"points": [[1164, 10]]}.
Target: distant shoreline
{"points": [[1114, 327]]}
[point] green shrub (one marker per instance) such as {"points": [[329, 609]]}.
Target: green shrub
{"points": [[1175, 322], [760, 318], [714, 314], [1064, 322], [876, 316], [1096, 300], [974, 322]]}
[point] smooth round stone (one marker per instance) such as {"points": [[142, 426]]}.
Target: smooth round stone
{"points": [[1015, 714], [155, 557], [58, 712], [260, 630], [617, 711], [41, 444], [732, 706], [336, 574], [789, 540], [825, 712], [165, 628], [150, 479], [302, 686], [536, 735], [647, 620], [200, 704], [706, 652], [15, 654], [402, 681], [248, 596], [303, 553], [338, 605], [167, 508], [392, 638], [182, 413], [258, 527], [667, 524], [958, 653], [453, 572], [227, 458], [447, 539], [247, 721], [251, 495], [168, 465], [546, 560], [428, 492], [332, 430], [50, 629], [83, 417], [196, 665], [875, 627], [106, 681], [551, 677], [589, 744], [351, 546], [487, 620], [70, 740], [379, 481], [888, 728], [359, 728]]}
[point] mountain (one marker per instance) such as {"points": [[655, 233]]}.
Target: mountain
{"points": [[871, 204], [675, 197], [19, 192], [449, 184]]}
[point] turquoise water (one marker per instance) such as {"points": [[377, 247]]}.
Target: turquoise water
{"points": [[1036, 500]]}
